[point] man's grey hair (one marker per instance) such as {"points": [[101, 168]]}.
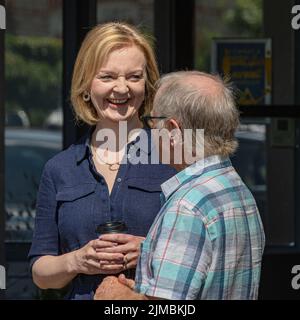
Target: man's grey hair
{"points": [[196, 107]]}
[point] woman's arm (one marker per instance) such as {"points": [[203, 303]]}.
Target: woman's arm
{"points": [[55, 272]]}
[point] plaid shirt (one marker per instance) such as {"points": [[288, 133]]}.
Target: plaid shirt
{"points": [[207, 240]]}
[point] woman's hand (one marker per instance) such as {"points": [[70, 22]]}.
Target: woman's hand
{"points": [[93, 259], [128, 245]]}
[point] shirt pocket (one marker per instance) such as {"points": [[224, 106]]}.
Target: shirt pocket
{"points": [[73, 193], [141, 205], [75, 215]]}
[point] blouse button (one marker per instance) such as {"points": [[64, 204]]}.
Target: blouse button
{"points": [[119, 179]]}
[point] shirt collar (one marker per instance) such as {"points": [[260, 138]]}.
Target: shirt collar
{"points": [[82, 148], [83, 145], [191, 172]]}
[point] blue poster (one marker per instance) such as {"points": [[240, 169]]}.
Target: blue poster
{"points": [[248, 64]]}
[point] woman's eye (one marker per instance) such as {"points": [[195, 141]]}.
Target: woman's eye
{"points": [[135, 77], [105, 77]]}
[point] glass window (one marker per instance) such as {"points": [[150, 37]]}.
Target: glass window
{"points": [[265, 148], [224, 18], [136, 12], [33, 124], [250, 160], [33, 120]]}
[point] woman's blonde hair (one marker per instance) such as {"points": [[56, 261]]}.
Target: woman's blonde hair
{"points": [[97, 45]]}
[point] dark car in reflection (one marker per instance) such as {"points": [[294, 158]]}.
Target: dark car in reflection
{"points": [[26, 152]]}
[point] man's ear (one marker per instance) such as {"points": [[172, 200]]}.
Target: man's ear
{"points": [[172, 124], [175, 131]]}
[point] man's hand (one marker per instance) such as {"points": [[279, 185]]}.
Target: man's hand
{"points": [[112, 289], [127, 282]]}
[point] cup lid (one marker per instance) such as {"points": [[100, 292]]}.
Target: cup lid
{"points": [[112, 227]]}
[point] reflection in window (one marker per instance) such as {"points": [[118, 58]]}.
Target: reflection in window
{"points": [[136, 12], [250, 160], [33, 75], [252, 138], [26, 152], [224, 18]]}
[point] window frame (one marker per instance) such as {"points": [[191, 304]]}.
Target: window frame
{"points": [[2, 150]]}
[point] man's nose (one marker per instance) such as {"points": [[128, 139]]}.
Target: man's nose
{"points": [[121, 85]]}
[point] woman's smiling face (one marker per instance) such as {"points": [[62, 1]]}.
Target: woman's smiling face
{"points": [[118, 89]]}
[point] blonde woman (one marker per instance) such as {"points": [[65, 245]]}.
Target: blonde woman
{"points": [[113, 81]]}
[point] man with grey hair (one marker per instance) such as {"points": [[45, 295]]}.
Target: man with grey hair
{"points": [[207, 240]]}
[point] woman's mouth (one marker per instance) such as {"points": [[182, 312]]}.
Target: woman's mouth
{"points": [[118, 102]]}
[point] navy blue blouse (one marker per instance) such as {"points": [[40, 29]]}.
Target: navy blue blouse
{"points": [[73, 200]]}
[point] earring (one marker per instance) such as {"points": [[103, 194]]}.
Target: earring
{"points": [[86, 96]]}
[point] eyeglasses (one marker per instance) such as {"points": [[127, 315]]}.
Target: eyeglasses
{"points": [[149, 120]]}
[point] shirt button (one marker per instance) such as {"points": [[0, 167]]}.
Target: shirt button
{"points": [[119, 179], [102, 181]]}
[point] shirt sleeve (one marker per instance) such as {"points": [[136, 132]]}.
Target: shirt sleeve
{"points": [[178, 257], [45, 236]]}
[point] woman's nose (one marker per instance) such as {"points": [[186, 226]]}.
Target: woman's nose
{"points": [[121, 86]]}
